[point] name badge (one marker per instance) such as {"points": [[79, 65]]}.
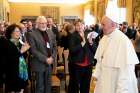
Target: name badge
{"points": [[48, 45]]}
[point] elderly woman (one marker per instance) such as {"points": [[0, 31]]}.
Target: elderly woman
{"points": [[16, 74]]}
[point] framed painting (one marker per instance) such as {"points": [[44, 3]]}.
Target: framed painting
{"points": [[51, 11]]}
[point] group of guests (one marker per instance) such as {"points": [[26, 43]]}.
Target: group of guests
{"points": [[115, 56], [41, 42], [16, 45]]}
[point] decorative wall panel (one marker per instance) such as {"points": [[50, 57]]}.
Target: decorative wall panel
{"points": [[51, 11]]}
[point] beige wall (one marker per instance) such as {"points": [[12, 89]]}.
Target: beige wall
{"points": [[17, 10]]}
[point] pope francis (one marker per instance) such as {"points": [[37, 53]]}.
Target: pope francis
{"points": [[116, 59]]}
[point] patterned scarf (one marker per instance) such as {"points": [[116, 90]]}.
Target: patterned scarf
{"points": [[23, 73]]}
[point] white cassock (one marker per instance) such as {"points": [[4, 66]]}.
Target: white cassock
{"points": [[115, 69]]}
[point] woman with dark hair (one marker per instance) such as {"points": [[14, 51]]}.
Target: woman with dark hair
{"points": [[16, 75], [81, 59]]}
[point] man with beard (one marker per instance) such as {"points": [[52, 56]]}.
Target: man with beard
{"points": [[42, 55]]}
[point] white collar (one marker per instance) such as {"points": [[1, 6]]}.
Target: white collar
{"points": [[112, 33]]}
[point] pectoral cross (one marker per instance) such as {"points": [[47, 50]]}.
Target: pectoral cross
{"points": [[105, 47]]}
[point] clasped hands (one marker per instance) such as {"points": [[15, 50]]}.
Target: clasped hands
{"points": [[49, 60]]}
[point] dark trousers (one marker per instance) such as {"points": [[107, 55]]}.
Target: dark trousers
{"points": [[2, 73], [1, 79], [43, 81], [79, 79]]}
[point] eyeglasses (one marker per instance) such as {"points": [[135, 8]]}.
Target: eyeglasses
{"points": [[16, 30], [24, 22], [42, 23]]}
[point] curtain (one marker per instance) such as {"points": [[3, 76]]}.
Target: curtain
{"points": [[121, 3], [106, 3]]}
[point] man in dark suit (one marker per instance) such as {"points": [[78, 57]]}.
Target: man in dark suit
{"points": [[52, 28], [42, 55], [130, 33]]}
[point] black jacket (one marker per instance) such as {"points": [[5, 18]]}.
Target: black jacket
{"points": [[9, 58], [131, 33], [77, 52]]}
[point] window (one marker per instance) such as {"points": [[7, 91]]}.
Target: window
{"points": [[88, 18]]}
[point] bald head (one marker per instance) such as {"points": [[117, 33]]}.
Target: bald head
{"points": [[108, 25], [23, 27]]}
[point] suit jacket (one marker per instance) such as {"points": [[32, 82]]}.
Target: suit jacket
{"points": [[56, 33], [53, 41], [131, 33], [77, 52], [38, 50]]}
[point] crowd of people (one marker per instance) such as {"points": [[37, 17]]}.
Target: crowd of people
{"points": [[35, 47]]}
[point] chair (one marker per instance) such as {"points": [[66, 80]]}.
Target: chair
{"points": [[66, 70]]}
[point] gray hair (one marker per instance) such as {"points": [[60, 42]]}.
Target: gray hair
{"points": [[41, 18]]}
